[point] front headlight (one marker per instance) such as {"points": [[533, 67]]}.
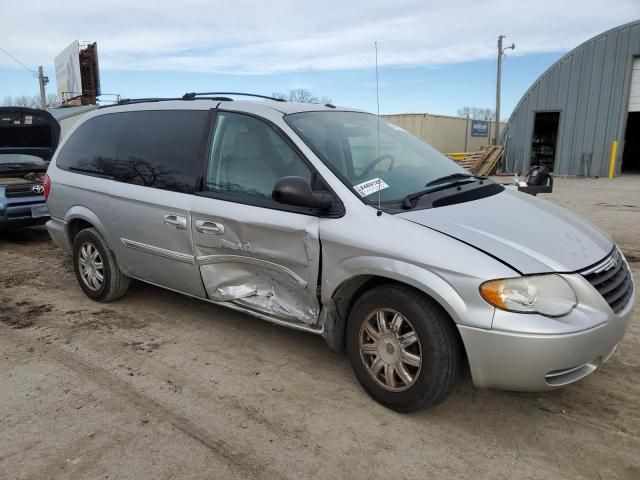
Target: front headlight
{"points": [[549, 295]]}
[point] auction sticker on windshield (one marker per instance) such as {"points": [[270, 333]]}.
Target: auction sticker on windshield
{"points": [[365, 189]]}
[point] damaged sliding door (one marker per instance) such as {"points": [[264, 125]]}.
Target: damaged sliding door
{"points": [[251, 251], [263, 260]]}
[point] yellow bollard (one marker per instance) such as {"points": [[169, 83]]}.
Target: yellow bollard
{"points": [[612, 160]]}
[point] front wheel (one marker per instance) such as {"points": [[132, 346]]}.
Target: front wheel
{"points": [[403, 348]]}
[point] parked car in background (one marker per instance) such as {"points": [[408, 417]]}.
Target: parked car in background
{"points": [[334, 222], [28, 139]]}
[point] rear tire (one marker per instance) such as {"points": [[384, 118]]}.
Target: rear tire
{"points": [[96, 268], [403, 348]]}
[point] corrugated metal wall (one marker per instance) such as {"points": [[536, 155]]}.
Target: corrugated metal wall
{"points": [[590, 88], [442, 132], [634, 90]]}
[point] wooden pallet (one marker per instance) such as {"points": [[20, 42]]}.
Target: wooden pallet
{"points": [[483, 162]]}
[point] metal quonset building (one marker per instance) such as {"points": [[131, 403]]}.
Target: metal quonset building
{"points": [[571, 115]]}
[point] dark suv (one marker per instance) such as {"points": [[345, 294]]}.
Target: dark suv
{"points": [[28, 139]]}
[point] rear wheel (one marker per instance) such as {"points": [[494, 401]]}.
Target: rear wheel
{"points": [[403, 347], [96, 268]]}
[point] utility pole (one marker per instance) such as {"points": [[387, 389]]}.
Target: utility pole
{"points": [[501, 51], [43, 81]]}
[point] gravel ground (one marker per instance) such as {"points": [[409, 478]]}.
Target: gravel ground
{"points": [[161, 386]]}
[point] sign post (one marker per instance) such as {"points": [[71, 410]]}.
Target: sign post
{"points": [[466, 133]]}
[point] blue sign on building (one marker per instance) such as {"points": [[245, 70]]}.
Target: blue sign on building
{"points": [[479, 128]]}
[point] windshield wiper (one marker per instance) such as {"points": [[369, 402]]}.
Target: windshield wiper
{"points": [[453, 176], [438, 184], [407, 202]]}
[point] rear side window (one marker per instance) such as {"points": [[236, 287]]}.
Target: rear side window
{"points": [[158, 148]]}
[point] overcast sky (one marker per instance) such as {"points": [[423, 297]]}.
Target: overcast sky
{"points": [[297, 42]]}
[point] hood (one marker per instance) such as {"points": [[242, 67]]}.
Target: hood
{"points": [[28, 131], [528, 233]]}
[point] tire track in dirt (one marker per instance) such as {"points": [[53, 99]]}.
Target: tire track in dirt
{"points": [[240, 462]]}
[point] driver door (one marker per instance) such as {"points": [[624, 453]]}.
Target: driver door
{"points": [[252, 252]]}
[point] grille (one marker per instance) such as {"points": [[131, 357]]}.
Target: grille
{"points": [[20, 190], [612, 279]]}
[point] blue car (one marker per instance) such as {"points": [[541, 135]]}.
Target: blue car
{"points": [[28, 139]]}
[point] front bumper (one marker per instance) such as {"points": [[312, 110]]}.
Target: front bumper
{"points": [[546, 360]]}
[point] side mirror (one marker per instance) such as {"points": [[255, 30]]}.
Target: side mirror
{"points": [[297, 192]]}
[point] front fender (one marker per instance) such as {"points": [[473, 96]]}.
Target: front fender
{"points": [[470, 310]]}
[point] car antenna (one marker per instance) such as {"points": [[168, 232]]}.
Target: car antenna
{"points": [[375, 44]]}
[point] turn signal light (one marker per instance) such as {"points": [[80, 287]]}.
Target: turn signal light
{"points": [[492, 292]]}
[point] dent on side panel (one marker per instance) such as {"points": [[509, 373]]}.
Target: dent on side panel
{"points": [[252, 286], [268, 269], [390, 247]]}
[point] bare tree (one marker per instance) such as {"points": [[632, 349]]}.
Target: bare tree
{"points": [[477, 113], [21, 101], [53, 100], [301, 95], [30, 101], [486, 114], [464, 112]]}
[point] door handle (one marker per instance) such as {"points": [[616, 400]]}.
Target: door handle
{"points": [[209, 228], [175, 221]]}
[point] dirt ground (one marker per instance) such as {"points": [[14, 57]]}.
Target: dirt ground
{"points": [[161, 386]]}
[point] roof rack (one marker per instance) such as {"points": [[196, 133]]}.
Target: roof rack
{"points": [[193, 95], [150, 99], [129, 101], [217, 96]]}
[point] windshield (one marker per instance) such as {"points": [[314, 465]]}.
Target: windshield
{"points": [[21, 159], [366, 152]]}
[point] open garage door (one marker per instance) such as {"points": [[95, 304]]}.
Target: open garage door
{"points": [[631, 154]]}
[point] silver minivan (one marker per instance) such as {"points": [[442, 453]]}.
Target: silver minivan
{"points": [[334, 222]]}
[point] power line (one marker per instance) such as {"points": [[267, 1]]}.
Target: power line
{"points": [[18, 61]]}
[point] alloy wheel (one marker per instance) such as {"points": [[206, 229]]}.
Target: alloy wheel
{"points": [[390, 349], [91, 266]]}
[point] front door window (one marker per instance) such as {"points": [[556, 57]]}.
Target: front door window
{"points": [[248, 157]]}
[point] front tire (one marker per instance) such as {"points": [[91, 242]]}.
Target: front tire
{"points": [[403, 348], [96, 268]]}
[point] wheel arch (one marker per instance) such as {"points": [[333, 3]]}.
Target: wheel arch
{"points": [[78, 218], [343, 291]]}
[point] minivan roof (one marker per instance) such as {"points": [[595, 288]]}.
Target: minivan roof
{"points": [[206, 104]]}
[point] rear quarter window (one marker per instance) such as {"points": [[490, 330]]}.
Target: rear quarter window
{"points": [[158, 148]]}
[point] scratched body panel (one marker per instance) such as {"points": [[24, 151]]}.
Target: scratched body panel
{"points": [[263, 259]]}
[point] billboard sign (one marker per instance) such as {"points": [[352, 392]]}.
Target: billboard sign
{"points": [[479, 128], [68, 80], [90, 73]]}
